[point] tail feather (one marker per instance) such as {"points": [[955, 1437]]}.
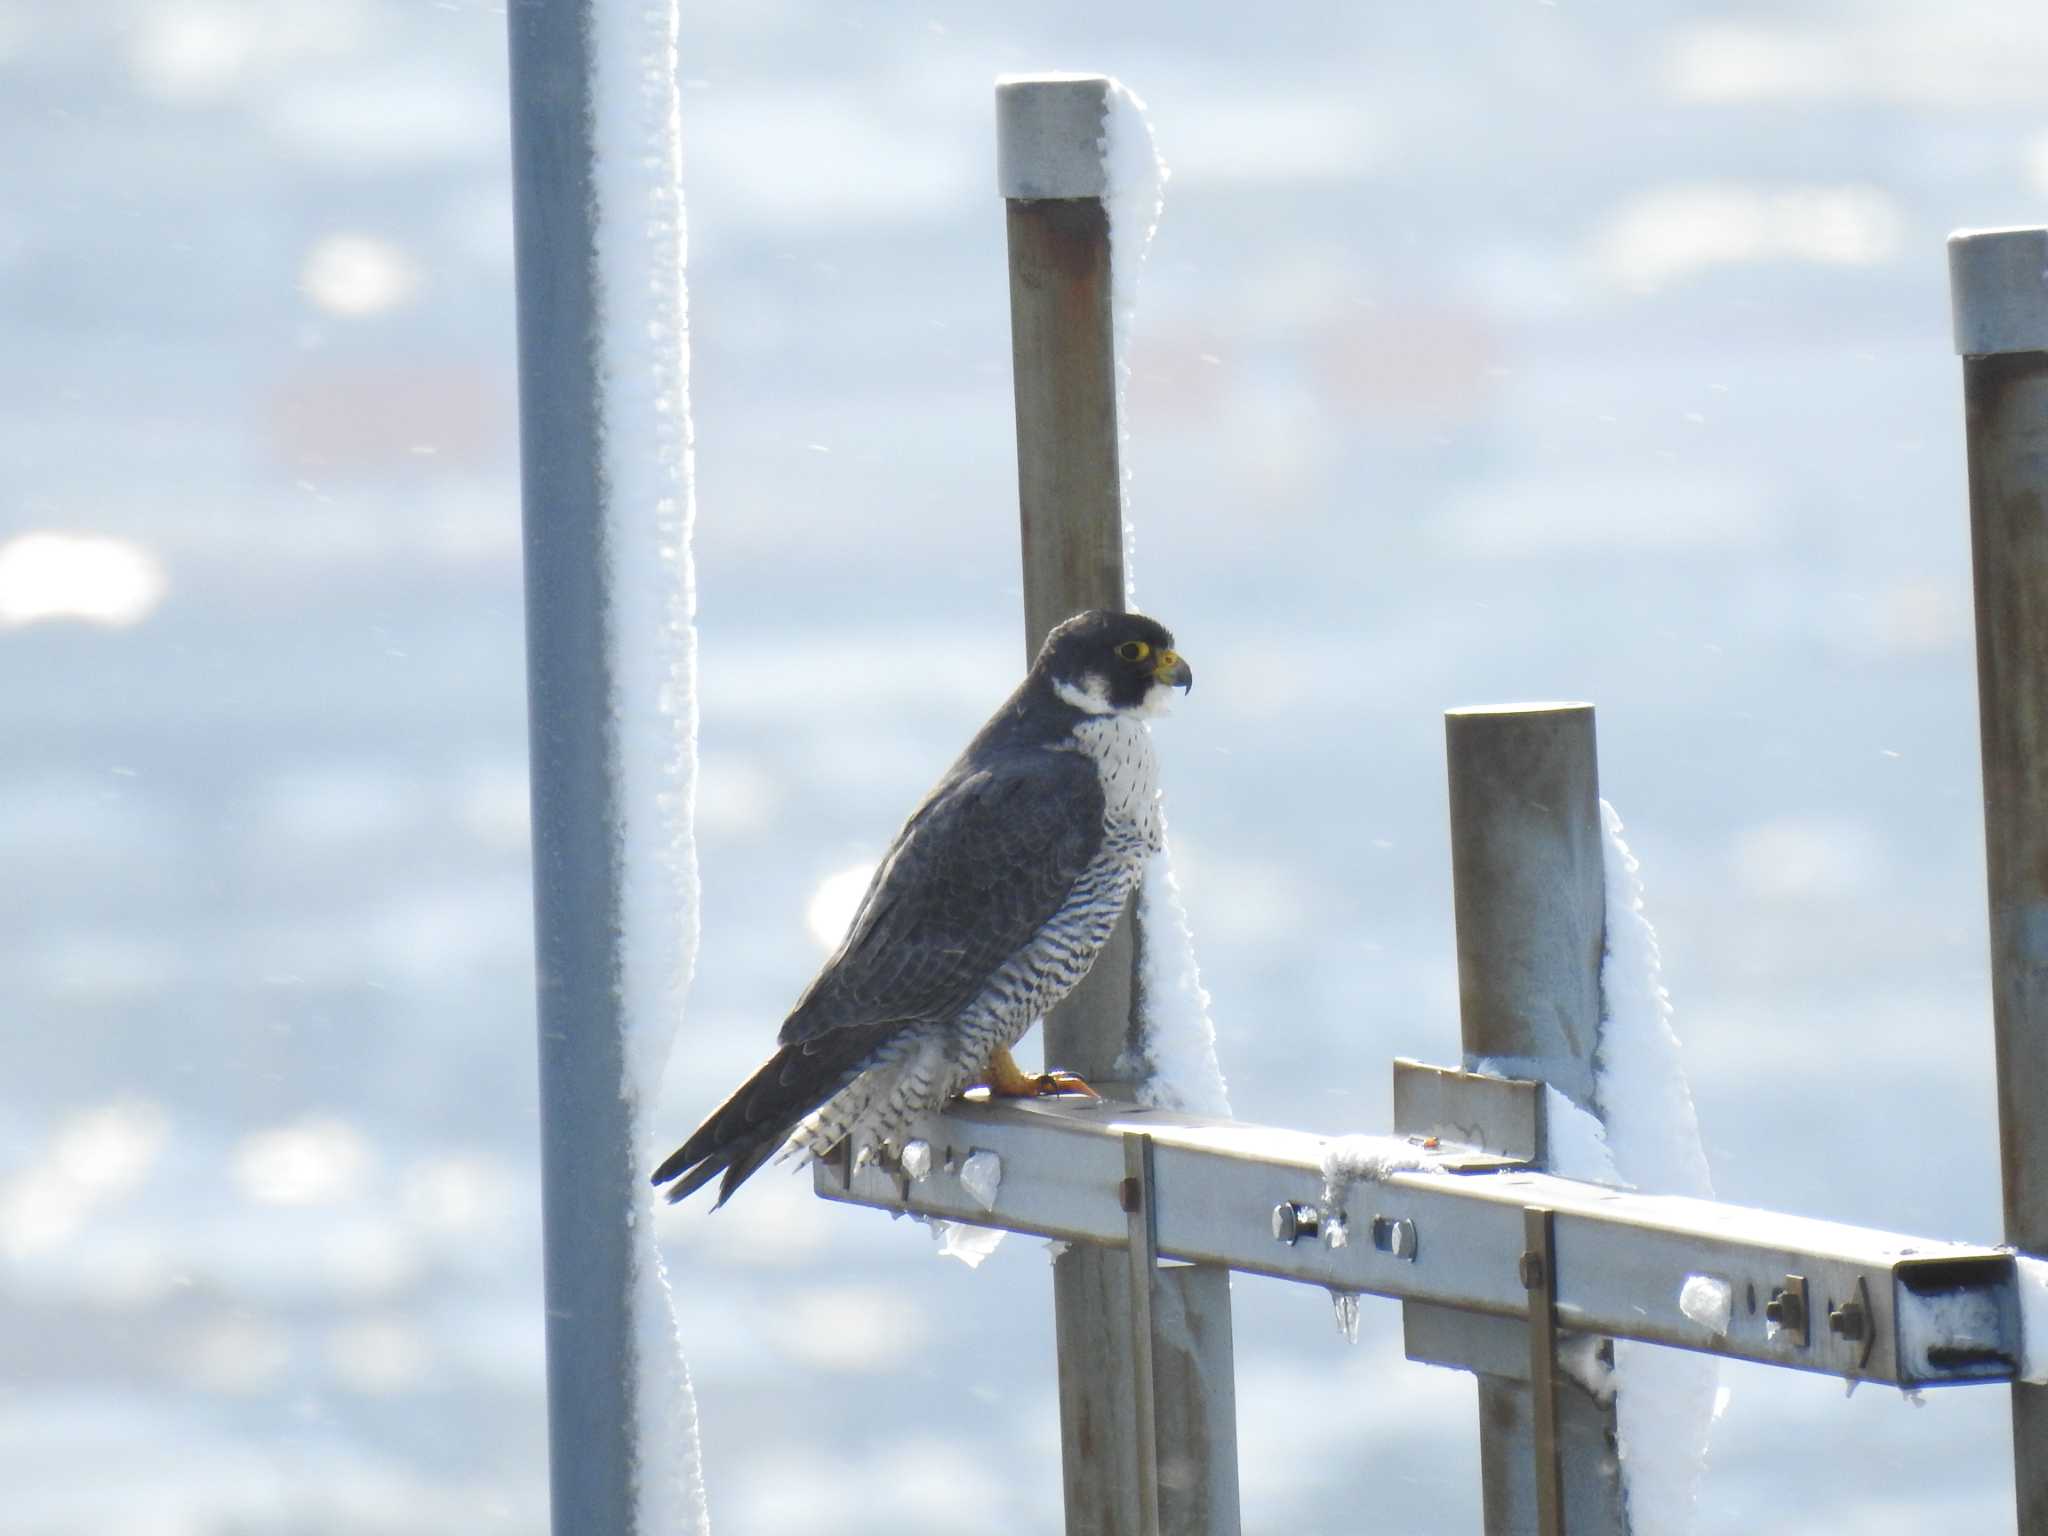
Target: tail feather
{"points": [[736, 1161], [745, 1131]]}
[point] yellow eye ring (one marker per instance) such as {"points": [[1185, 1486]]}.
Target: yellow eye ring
{"points": [[1134, 650]]}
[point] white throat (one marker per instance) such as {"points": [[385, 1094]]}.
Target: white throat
{"points": [[1121, 746]]}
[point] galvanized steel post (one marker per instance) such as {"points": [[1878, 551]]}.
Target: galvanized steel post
{"points": [[1998, 282], [587, 1164], [1529, 891], [1049, 135]]}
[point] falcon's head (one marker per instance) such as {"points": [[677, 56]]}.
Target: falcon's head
{"points": [[1113, 663]]}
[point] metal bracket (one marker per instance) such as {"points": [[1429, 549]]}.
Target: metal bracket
{"points": [[1538, 1270], [1500, 1119]]}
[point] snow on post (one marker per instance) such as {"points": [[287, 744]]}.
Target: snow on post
{"points": [[1180, 1069], [1666, 1400], [641, 341]]}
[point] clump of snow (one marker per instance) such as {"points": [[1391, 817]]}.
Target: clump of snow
{"points": [[969, 1244], [1179, 1069], [1708, 1300], [1586, 1358], [1644, 1099], [1349, 1160], [1336, 1231], [651, 641], [916, 1160], [1666, 1400], [1134, 195], [1346, 1304], [981, 1176], [1577, 1142], [1135, 176], [2033, 1289]]}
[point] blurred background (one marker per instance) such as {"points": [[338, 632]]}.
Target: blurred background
{"points": [[1494, 351]]}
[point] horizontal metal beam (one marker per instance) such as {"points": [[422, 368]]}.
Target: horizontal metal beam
{"points": [[1444, 1224]]}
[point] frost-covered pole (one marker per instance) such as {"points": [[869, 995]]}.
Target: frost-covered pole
{"points": [[1528, 884], [1051, 134], [604, 463], [1998, 281]]}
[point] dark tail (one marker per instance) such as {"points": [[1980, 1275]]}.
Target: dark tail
{"points": [[745, 1131]]}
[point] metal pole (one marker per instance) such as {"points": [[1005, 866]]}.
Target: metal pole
{"points": [[1539, 1274], [1529, 891], [1049, 133], [1998, 282], [587, 1163]]}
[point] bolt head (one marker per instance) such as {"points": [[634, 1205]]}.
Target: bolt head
{"points": [[1292, 1221]]}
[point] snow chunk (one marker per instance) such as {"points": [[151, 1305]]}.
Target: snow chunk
{"points": [[1644, 1100], [1708, 1301], [969, 1244], [1577, 1146], [917, 1160], [2033, 1289], [1180, 1068], [1586, 1358], [1349, 1160], [1666, 1399], [981, 1176], [1134, 195]]}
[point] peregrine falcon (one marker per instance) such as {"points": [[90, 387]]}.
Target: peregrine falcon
{"points": [[990, 905]]}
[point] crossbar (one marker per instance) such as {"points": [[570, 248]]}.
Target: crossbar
{"points": [[1871, 1305]]}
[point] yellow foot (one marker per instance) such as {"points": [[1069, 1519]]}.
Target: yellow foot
{"points": [[1054, 1083], [1006, 1080]]}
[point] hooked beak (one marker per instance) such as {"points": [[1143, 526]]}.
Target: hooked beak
{"points": [[1171, 670]]}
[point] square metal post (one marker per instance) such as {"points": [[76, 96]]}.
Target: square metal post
{"points": [[1049, 134], [2000, 299], [1527, 873]]}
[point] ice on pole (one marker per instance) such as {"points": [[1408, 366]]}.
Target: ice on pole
{"points": [[1180, 1069], [1666, 1400], [651, 645]]}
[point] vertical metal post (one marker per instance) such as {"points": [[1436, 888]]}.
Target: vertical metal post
{"points": [[586, 1151], [1539, 1274], [1528, 885], [1998, 282], [1049, 133], [1141, 1205]]}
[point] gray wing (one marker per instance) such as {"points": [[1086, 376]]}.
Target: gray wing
{"points": [[978, 870]]}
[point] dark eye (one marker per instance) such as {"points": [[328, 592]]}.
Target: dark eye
{"points": [[1134, 650]]}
